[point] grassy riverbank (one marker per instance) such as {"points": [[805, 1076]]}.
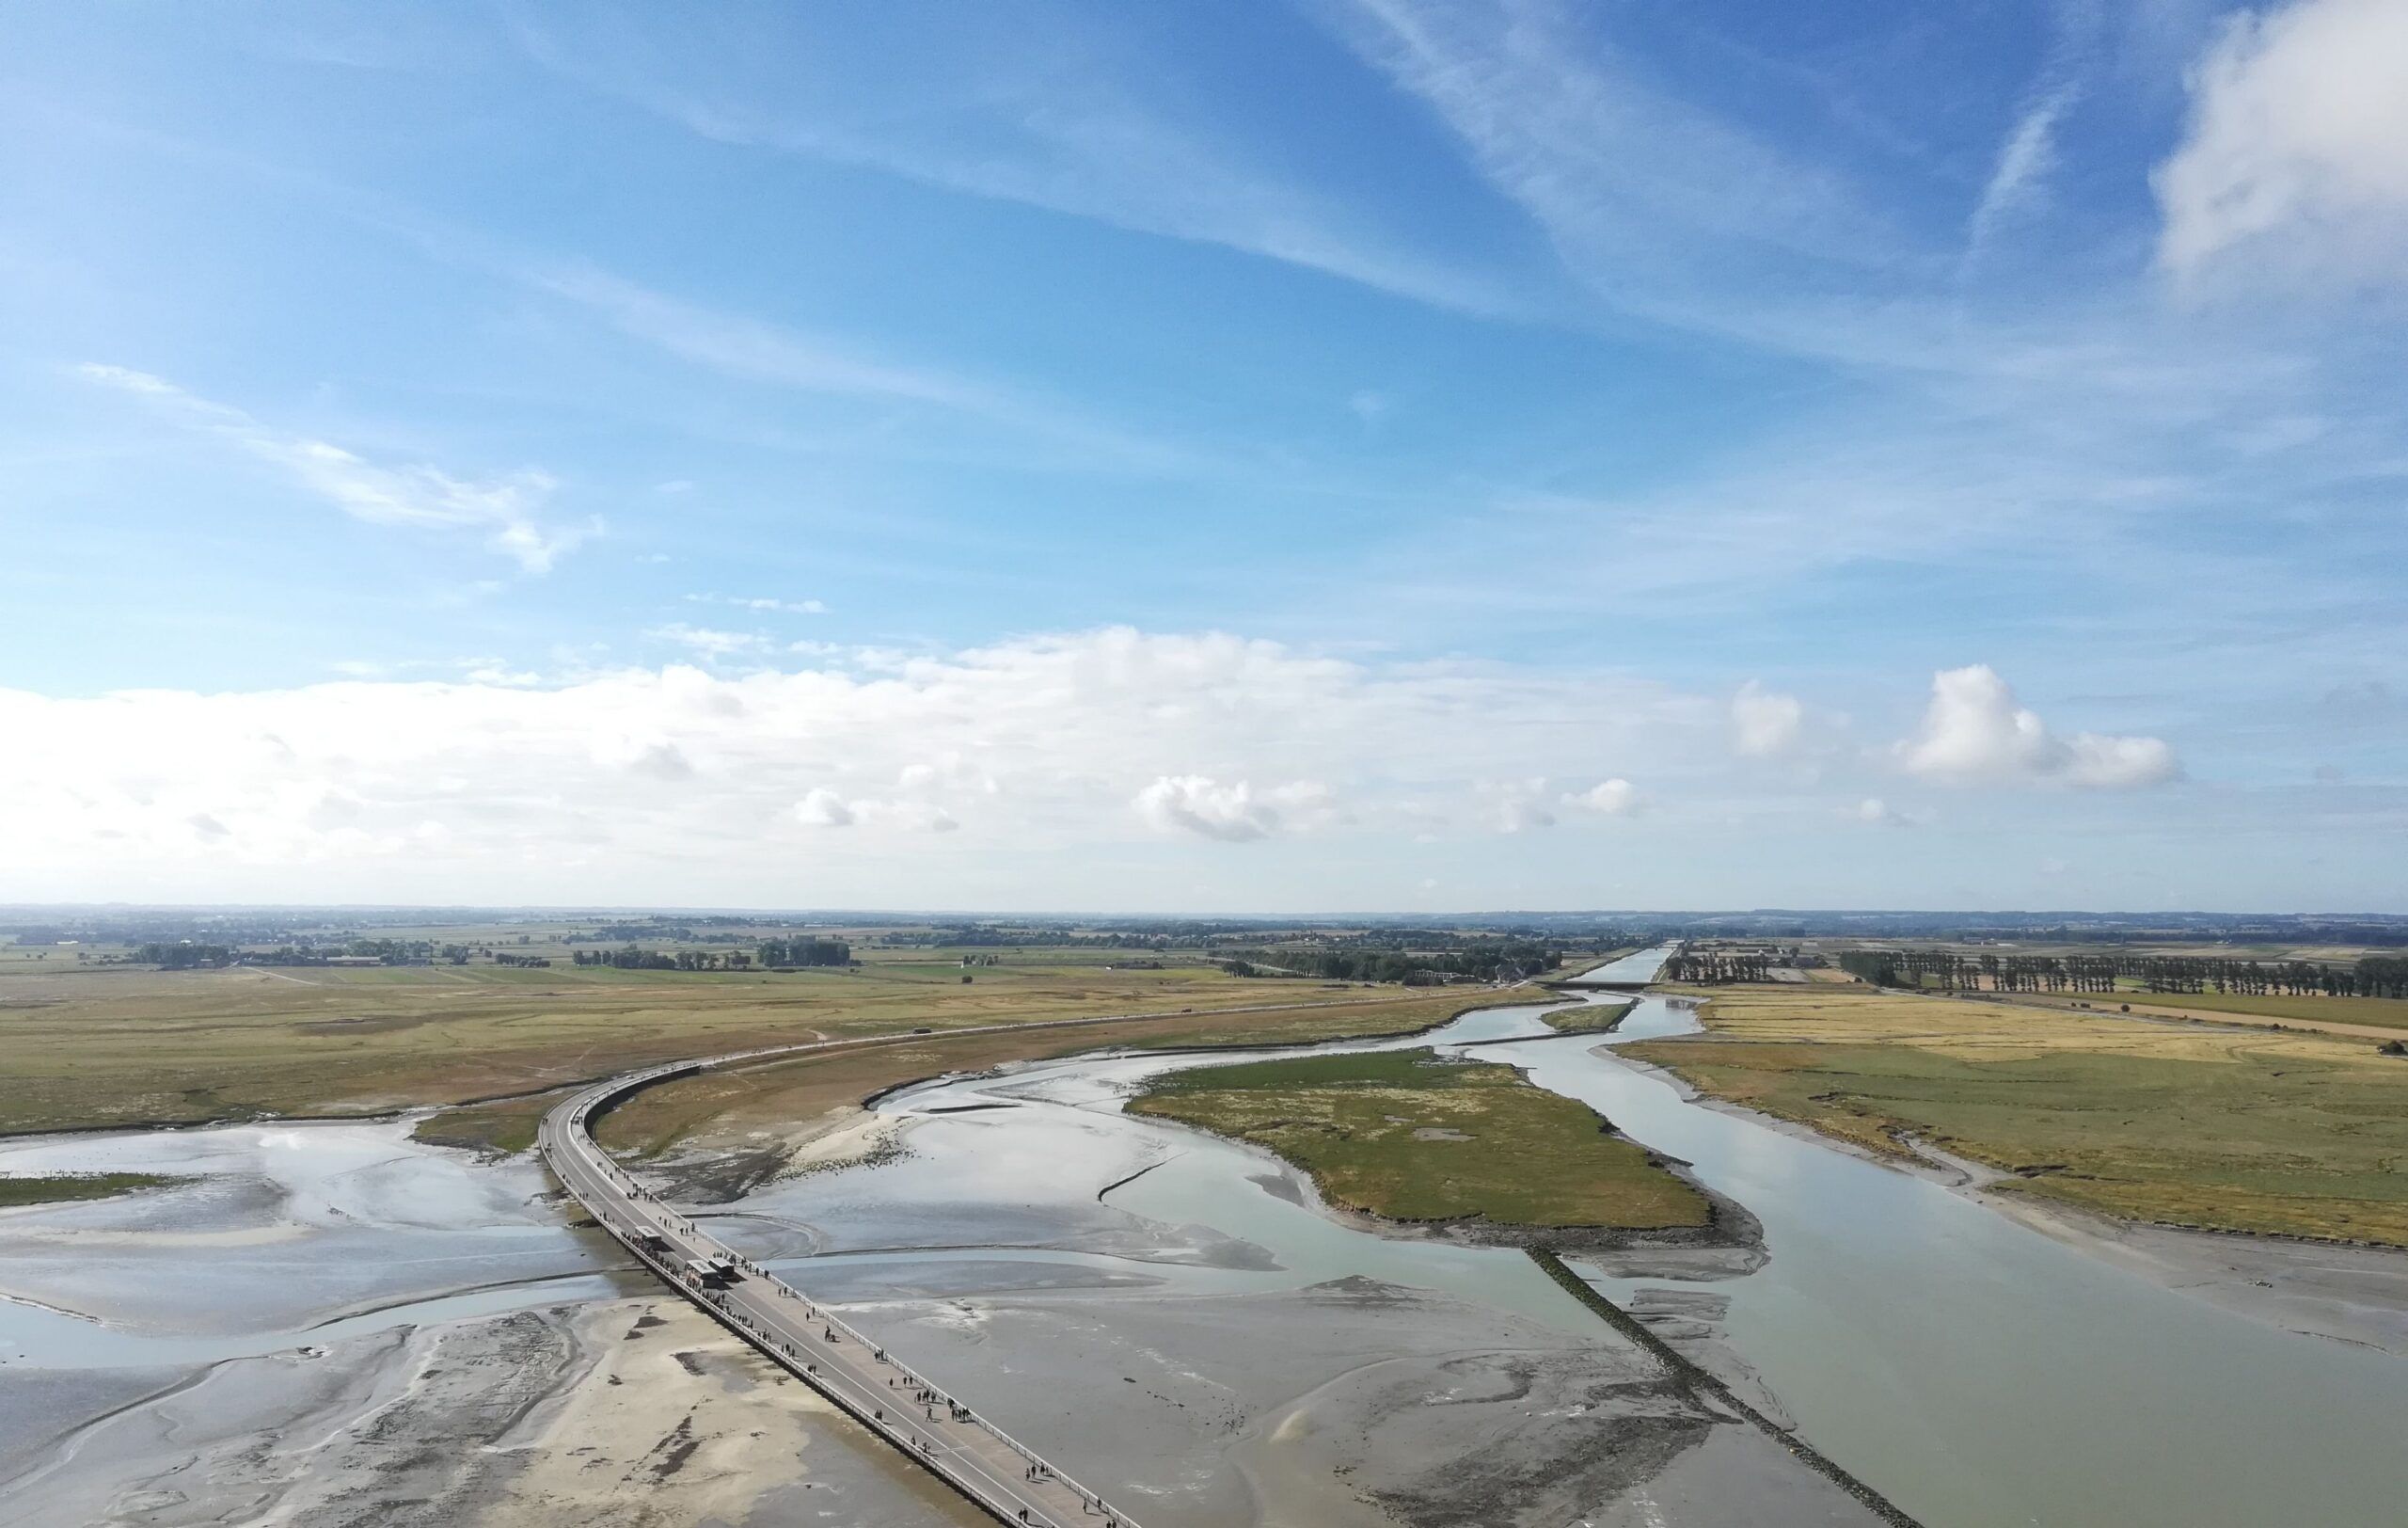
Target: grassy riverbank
{"points": [[1410, 1136], [2295, 1133], [729, 1106], [83, 1047], [58, 1188], [1588, 1018]]}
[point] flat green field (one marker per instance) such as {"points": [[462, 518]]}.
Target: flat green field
{"points": [[2296, 1133], [131, 1046], [773, 1099], [1410, 1136]]}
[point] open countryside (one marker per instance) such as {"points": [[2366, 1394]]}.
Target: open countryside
{"points": [[1210, 764], [1454, 1094]]}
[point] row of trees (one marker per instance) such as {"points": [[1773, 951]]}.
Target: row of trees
{"points": [[631, 958], [802, 951], [1499, 960], [975, 935], [780, 954], [2376, 976], [181, 956], [1717, 967], [1952, 972], [2382, 976]]}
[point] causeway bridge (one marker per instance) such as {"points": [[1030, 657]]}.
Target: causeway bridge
{"points": [[900, 1404]]}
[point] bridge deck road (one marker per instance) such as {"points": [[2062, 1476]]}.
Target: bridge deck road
{"points": [[797, 1331]]}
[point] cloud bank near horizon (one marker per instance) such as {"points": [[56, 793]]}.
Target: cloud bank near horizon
{"points": [[1103, 741]]}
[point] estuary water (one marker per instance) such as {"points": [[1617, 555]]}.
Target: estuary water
{"points": [[1978, 1373], [273, 1239]]}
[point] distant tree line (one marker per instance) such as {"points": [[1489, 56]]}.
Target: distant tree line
{"points": [[1485, 960], [782, 954], [632, 958], [1714, 968], [2375, 976], [183, 956], [633, 929], [980, 935], [802, 951]]}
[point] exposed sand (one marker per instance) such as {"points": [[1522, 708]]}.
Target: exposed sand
{"points": [[1349, 1404], [631, 1414], [1543, 1437], [727, 1165], [677, 1416]]}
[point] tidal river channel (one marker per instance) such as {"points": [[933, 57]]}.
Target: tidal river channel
{"points": [[1176, 1317], [1978, 1373]]}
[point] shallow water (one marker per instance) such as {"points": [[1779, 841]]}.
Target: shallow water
{"points": [[1978, 1373], [1983, 1374], [283, 1236]]}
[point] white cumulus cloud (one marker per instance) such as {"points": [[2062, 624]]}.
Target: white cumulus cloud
{"points": [[1766, 724], [1975, 733], [1875, 812], [1607, 798], [2299, 134], [1515, 806], [637, 785], [1234, 813], [823, 808]]}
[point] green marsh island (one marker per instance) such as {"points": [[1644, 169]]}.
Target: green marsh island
{"points": [[1411, 1136]]}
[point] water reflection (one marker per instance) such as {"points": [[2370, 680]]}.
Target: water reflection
{"points": [[278, 1236], [1980, 1373]]}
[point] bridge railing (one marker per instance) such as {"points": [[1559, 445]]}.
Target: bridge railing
{"points": [[589, 1153]]}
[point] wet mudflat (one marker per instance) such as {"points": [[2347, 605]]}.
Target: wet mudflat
{"points": [[1178, 1319], [332, 1321], [1126, 1290], [328, 1326]]}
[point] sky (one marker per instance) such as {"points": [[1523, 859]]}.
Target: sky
{"points": [[1241, 455]]}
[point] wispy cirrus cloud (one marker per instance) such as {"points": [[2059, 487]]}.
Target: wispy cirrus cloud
{"points": [[1651, 199], [750, 349], [747, 347], [2027, 156], [763, 604], [2019, 179], [506, 511], [710, 641], [1076, 144]]}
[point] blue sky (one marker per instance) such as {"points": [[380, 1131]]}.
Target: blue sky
{"points": [[1296, 456]]}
